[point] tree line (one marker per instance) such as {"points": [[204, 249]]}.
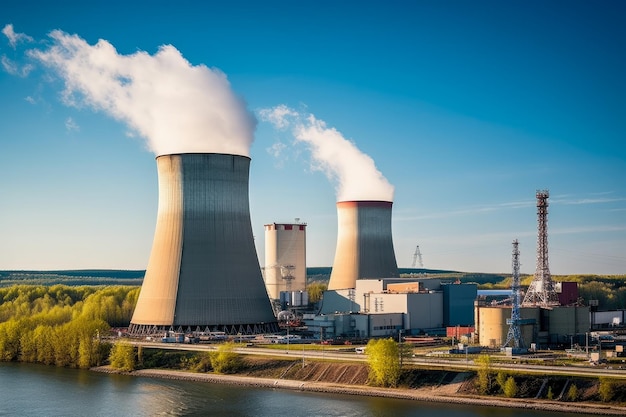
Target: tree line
{"points": [[62, 325]]}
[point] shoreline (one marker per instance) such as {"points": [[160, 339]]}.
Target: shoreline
{"points": [[399, 393]]}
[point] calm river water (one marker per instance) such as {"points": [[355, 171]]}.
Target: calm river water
{"points": [[38, 390]]}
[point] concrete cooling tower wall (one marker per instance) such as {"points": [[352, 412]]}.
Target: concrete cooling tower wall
{"points": [[364, 243], [203, 273]]}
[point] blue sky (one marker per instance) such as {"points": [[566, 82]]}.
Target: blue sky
{"points": [[466, 108]]}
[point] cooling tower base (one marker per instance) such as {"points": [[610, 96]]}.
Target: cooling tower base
{"points": [[142, 330]]}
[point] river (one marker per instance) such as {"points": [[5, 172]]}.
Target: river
{"points": [[38, 390]]}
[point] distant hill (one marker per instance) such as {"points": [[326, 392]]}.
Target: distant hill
{"points": [[135, 277], [72, 277]]}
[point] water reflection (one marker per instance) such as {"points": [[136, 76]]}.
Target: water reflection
{"points": [[37, 390]]}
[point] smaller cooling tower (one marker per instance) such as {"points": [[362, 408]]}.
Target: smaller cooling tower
{"points": [[285, 258], [364, 243]]}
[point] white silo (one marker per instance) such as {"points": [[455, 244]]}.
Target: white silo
{"points": [[285, 258], [203, 273], [364, 243]]}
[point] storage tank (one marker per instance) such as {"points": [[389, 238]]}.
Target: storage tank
{"points": [[203, 272], [364, 243], [491, 323]]}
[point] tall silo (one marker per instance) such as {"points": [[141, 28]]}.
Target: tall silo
{"points": [[364, 243], [285, 258], [203, 273]]}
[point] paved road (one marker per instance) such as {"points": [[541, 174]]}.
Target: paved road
{"points": [[297, 351]]}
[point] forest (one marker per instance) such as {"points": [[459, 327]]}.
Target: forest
{"points": [[62, 325], [609, 290]]}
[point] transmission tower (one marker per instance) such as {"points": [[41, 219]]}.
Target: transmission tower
{"points": [[515, 330], [541, 292], [417, 256]]}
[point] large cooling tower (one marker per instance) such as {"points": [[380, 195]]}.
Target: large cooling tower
{"points": [[203, 273], [364, 243]]}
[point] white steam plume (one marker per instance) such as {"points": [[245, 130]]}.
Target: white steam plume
{"points": [[354, 173], [177, 107], [13, 37]]}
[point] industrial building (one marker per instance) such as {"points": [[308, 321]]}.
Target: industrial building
{"points": [[364, 243], [203, 273], [285, 258], [388, 306]]}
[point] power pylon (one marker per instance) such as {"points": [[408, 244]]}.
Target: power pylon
{"points": [[515, 330], [541, 292]]}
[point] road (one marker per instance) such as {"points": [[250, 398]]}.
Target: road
{"points": [[460, 364]]}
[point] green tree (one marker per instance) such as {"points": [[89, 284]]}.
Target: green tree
{"points": [[383, 360], [484, 374], [10, 334], [315, 290], [550, 394], [122, 356], [510, 387], [572, 393], [501, 379], [606, 389], [225, 360]]}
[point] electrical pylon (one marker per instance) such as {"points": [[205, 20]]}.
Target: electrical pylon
{"points": [[515, 330], [541, 292]]}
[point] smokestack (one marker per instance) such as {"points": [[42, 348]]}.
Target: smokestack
{"points": [[203, 273], [364, 243]]}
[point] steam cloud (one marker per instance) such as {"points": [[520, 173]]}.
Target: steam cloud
{"points": [[13, 37], [177, 107], [354, 173]]}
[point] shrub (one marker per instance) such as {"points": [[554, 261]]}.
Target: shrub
{"points": [[510, 387], [383, 359], [225, 360], [606, 389], [484, 374], [122, 356]]}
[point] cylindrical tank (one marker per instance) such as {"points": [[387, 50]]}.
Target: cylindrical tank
{"points": [[493, 329], [203, 270], [285, 258], [364, 243]]}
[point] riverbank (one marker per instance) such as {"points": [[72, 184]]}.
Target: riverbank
{"points": [[443, 393]]}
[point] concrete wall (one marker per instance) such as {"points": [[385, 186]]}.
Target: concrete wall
{"points": [[424, 310]]}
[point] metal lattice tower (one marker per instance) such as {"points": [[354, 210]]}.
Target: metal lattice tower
{"points": [[417, 256], [515, 331], [541, 292]]}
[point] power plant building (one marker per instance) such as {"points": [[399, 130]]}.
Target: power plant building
{"points": [[285, 258], [423, 305], [203, 273], [364, 243]]}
